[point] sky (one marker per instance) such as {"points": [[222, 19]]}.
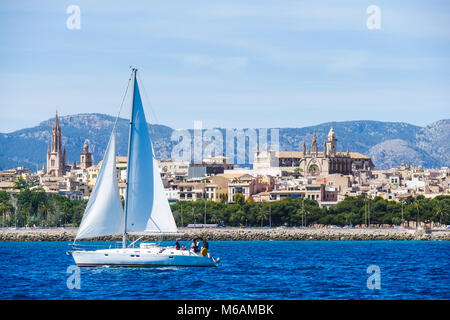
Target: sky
{"points": [[232, 64]]}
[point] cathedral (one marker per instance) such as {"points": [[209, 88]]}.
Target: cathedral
{"points": [[57, 165], [313, 162]]}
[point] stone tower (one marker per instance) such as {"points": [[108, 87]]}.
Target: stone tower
{"points": [[331, 144], [85, 158], [56, 157], [314, 144]]}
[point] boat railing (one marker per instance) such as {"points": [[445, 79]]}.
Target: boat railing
{"points": [[95, 246]]}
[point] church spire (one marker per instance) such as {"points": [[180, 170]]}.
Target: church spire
{"points": [[56, 135], [314, 144], [56, 157], [56, 124]]}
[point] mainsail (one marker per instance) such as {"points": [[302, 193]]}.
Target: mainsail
{"points": [[147, 208], [103, 214]]}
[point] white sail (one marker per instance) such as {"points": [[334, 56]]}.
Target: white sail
{"points": [[103, 214], [147, 207], [161, 218]]}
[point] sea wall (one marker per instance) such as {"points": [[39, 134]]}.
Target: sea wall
{"points": [[68, 234]]}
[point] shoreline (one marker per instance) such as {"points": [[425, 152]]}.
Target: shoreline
{"points": [[240, 234]]}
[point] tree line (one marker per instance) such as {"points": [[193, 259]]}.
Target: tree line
{"points": [[352, 211], [34, 207]]}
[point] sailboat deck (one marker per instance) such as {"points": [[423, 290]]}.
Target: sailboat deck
{"points": [[142, 257], [155, 250]]}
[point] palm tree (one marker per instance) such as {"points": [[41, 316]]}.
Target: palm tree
{"points": [[297, 172], [204, 216], [44, 209], [417, 205], [26, 211], [304, 212], [20, 184], [3, 209], [14, 206], [440, 210], [262, 215], [181, 213], [65, 213], [214, 218], [194, 215], [403, 203]]}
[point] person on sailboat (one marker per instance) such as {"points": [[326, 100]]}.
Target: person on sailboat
{"points": [[177, 245], [197, 246], [194, 245], [204, 250]]}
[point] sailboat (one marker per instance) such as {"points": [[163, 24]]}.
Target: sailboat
{"points": [[146, 212]]}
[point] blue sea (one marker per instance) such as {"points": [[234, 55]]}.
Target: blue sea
{"points": [[274, 270]]}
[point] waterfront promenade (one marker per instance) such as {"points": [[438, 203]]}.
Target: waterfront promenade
{"points": [[68, 234]]}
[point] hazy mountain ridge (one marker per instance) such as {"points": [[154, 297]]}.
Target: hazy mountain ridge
{"points": [[435, 140], [388, 143], [28, 147]]}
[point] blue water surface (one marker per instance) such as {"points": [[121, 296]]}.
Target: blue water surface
{"points": [[248, 270]]}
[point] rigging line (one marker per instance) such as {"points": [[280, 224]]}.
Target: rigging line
{"points": [[148, 100], [123, 100], [155, 223]]}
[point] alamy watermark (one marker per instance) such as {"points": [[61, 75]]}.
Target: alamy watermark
{"points": [[74, 280], [373, 22], [73, 22], [238, 145], [374, 280]]}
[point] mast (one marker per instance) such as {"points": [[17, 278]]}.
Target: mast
{"points": [[124, 234]]}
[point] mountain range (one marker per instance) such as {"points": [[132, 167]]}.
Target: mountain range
{"points": [[387, 143]]}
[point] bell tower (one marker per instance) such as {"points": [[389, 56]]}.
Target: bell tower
{"points": [[331, 143], [85, 157]]}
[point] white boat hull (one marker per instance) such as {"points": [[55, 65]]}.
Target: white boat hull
{"points": [[141, 257]]}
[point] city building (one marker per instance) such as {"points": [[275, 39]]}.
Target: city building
{"points": [[314, 163], [325, 177]]}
